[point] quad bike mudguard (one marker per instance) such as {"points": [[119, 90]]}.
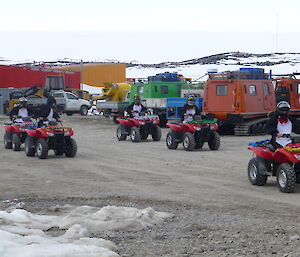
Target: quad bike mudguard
{"points": [[282, 155], [127, 121], [262, 152]]}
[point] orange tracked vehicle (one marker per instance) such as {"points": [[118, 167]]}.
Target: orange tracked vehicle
{"points": [[240, 100], [287, 88]]}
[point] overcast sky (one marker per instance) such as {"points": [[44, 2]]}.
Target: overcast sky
{"points": [[145, 30]]}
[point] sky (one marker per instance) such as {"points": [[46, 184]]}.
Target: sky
{"points": [[145, 30]]}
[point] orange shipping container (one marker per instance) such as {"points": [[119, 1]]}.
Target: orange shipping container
{"points": [[98, 75]]}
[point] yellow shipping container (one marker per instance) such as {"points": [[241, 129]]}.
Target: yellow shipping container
{"points": [[99, 75]]}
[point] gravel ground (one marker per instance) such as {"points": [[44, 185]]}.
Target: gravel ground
{"points": [[216, 211]]}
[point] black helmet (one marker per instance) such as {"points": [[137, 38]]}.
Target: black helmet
{"points": [[191, 100], [283, 106]]}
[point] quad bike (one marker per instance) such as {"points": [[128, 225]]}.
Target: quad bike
{"points": [[58, 138], [193, 134], [15, 133], [139, 127], [282, 163]]}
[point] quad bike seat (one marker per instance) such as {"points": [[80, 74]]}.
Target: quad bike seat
{"points": [[296, 139], [270, 147]]}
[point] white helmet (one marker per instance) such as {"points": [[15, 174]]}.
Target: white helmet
{"points": [[283, 106]]}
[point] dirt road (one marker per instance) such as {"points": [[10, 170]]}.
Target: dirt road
{"points": [[217, 212]]}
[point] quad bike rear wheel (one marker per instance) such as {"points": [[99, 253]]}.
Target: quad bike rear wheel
{"points": [[171, 140], [16, 142], [135, 134], [156, 133], [214, 141], [120, 133], [253, 174], [189, 143], [41, 148], [29, 146], [7, 140], [70, 148], [286, 178]]}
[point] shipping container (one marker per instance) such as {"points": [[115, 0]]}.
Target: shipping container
{"points": [[12, 76], [98, 75]]}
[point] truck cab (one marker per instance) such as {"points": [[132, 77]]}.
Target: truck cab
{"points": [[73, 104]]}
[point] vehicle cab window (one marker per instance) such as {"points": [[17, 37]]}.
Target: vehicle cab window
{"points": [[71, 96]]}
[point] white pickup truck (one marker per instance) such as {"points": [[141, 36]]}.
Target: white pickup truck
{"points": [[73, 104]]}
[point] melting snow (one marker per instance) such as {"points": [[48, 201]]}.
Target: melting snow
{"points": [[26, 234]]}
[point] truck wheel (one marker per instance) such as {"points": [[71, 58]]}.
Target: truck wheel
{"points": [[253, 174], [286, 178], [70, 148], [135, 134], [120, 133], [7, 140], [214, 141], [171, 140], [16, 142], [260, 129], [41, 148], [188, 141], [84, 110], [156, 133], [29, 146]]}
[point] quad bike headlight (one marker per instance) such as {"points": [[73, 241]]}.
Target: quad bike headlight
{"points": [[297, 157], [67, 133], [50, 134], [197, 128]]}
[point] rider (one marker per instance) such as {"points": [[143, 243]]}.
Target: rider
{"points": [[281, 125], [20, 111], [190, 109], [48, 112], [136, 107]]}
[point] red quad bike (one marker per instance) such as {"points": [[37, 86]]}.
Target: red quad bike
{"points": [[282, 163], [58, 138], [15, 133], [138, 128], [193, 134]]}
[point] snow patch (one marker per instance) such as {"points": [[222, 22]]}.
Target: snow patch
{"points": [[68, 231]]}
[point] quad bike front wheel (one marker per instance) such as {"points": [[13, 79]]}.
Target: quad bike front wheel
{"points": [[214, 141], [189, 143], [156, 133], [171, 140], [253, 174], [29, 146], [70, 148], [135, 134], [16, 142], [120, 133], [41, 148], [286, 178], [7, 140]]}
